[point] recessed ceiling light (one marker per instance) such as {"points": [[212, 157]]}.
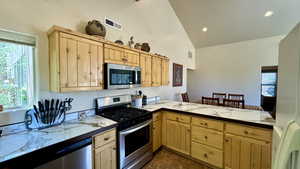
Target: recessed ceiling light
{"points": [[269, 13], [204, 29]]}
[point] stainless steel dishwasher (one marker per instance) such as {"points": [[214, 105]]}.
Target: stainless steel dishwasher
{"points": [[75, 156]]}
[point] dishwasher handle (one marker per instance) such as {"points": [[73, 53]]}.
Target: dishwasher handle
{"points": [[75, 146]]}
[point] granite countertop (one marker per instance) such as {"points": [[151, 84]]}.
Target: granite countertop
{"points": [[254, 117], [24, 142]]}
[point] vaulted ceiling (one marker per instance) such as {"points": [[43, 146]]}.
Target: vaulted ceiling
{"points": [[231, 21]]}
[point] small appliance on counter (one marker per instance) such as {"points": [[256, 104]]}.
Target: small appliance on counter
{"points": [[47, 114]]}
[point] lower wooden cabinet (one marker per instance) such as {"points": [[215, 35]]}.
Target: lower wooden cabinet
{"points": [[105, 157], [207, 154], [246, 153], [156, 135], [178, 136], [104, 150]]}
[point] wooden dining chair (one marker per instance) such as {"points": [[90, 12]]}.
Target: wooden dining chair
{"points": [[185, 97], [210, 101], [236, 96], [234, 103], [221, 97]]}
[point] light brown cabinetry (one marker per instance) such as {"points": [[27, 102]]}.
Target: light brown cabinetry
{"points": [[216, 142], [118, 55], [75, 63], [146, 69], [156, 71], [104, 150], [244, 151], [157, 131], [165, 72], [178, 133]]}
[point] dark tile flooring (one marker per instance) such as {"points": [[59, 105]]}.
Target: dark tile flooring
{"points": [[165, 159]]}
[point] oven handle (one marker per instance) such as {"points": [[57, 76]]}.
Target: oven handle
{"points": [[135, 128]]}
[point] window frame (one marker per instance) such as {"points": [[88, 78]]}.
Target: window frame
{"points": [[269, 69], [32, 68]]}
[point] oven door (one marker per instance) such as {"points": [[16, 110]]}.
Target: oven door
{"points": [[135, 144], [121, 76]]}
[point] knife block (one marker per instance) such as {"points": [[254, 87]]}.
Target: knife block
{"points": [[32, 121]]}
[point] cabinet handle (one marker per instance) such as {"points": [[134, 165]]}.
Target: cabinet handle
{"points": [[226, 140], [177, 118], [205, 155], [114, 148], [106, 138], [246, 132], [205, 137], [205, 124], [189, 130]]}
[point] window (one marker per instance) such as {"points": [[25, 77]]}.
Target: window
{"points": [[269, 82], [16, 70]]}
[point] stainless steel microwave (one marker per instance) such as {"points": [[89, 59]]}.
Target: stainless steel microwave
{"points": [[121, 76]]}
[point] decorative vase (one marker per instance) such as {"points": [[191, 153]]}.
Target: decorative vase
{"points": [[145, 47], [95, 27]]}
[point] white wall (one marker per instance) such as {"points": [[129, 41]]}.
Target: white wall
{"points": [[233, 68], [152, 21]]}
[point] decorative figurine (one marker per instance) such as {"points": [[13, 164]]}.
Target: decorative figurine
{"points": [[131, 42], [119, 42], [145, 47]]}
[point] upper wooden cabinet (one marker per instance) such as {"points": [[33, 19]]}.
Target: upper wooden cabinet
{"points": [[156, 70], [146, 66], [75, 63], [165, 72], [118, 55]]}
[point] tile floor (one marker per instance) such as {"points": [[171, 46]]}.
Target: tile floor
{"points": [[165, 159]]}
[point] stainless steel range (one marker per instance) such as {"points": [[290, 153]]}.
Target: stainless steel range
{"points": [[134, 130]]}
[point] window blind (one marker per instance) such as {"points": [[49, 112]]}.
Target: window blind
{"points": [[15, 37]]}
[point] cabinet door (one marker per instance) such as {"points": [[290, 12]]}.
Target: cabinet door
{"points": [[156, 135], [132, 58], [113, 54], [246, 153], [173, 135], [96, 66], [105, 157], [165, 72], [185, 138], [145, 64], [68, 62], [84, 64], [156, 71]]}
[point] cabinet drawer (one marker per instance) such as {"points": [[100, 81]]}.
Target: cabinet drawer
{"points": [[207, 154], [179, 117], [104, 138], [156, 116], [207, 123], [208, 137], [248, 131]]}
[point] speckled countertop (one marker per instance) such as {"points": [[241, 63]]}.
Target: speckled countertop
{"points": [[242, 115], [24, 142]]}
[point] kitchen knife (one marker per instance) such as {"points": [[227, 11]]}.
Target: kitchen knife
{"points": [[56, 110], [42, 111], [47, 111], [62, 109], [36, 113], [51, 110]]}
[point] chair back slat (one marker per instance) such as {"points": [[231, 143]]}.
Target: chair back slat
{"points": [[221, 96], [210, 101], [185, 97], [234, 103]]}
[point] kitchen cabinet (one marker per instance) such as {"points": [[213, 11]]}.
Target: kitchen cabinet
{"points": [[156, 71], [146, 69], [104, 150], [165, 72], [157, 131], [119, 55], [178, 136], [246, 153], [75, 63]]}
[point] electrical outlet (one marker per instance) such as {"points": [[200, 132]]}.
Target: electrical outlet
{"points": [[82, 115]]}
